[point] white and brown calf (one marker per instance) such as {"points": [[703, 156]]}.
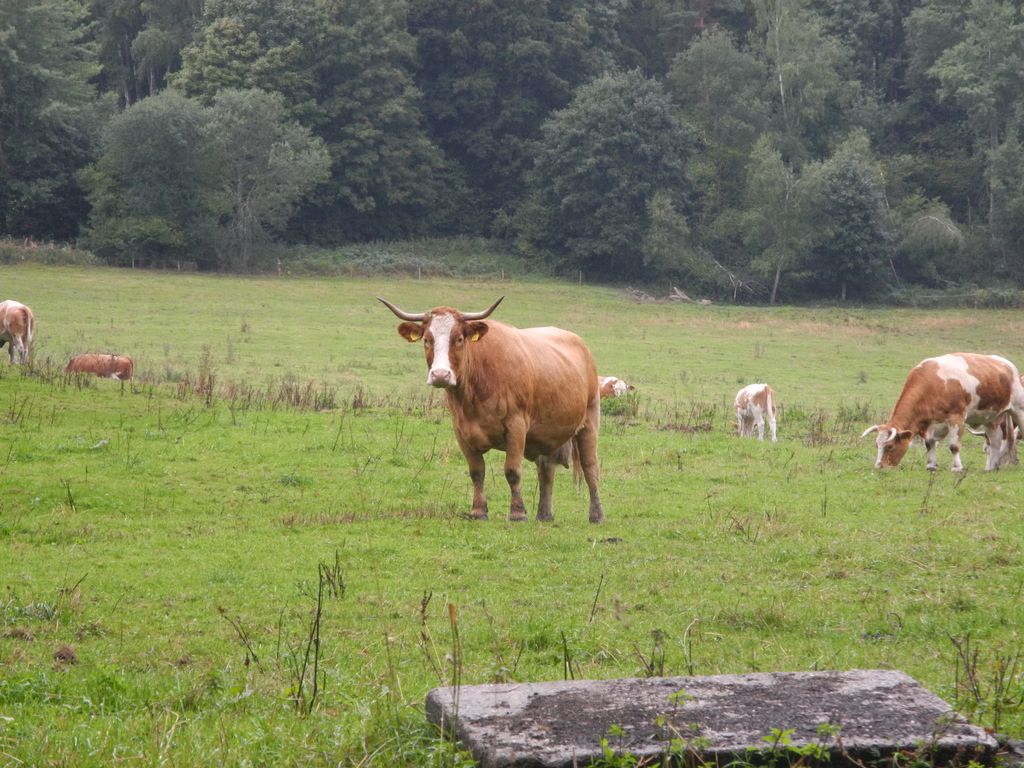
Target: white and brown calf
{"points": [[753, 403], [944, 396], [613, 386]]}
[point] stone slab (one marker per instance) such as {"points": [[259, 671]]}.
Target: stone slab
{"points": [[560, 724]]}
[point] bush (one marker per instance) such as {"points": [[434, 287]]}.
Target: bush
{"points": [[20, 251], [957, 297]]}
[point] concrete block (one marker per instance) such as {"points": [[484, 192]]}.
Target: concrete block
{"points": [[855, 715]]}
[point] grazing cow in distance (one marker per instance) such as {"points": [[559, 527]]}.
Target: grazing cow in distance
{"points": [[946, 394], [17, 325], [753, 403], [1008, 435], [613, 386], [117, 367], [529, 392]]}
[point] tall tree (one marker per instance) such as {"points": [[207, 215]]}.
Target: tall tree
{"points": [[720, 90], [777, 219], [151, 189], [1005, 173], [261, 44], [388, 179], [653, 32], [601, 162], [491, 72], [182, 182], [48, 115], [984, 72], [139, 43], [264, 164], [853, 247], [809, 81]]}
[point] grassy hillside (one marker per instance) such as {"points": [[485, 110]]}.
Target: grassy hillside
{"points": [[162, 543]]}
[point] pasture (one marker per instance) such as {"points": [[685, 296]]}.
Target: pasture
{"points": [[277, 497]]}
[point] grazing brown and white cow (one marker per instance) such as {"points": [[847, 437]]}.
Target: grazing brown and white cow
{"points": [[17, 324], [944, 395], [529, 392], [118, 367], [753, 403], [1008, 437], [613, 386]]}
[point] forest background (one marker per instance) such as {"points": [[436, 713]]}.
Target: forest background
{"points": [[751, 150]]}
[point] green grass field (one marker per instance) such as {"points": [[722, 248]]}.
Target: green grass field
{"points": [[162, 543]]}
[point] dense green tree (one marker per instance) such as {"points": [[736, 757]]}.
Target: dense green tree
{"points": [[491, 72], [851, 255], [601, 162], [48, 115], [720, 90], [388, 179], [873, 32], [809, 84], [139, 43], [984, 73], [929, 246], [778, 218], [151, 190], [261, 44], [182, 182], [263, 165], [1005, 172], [653, 32]]}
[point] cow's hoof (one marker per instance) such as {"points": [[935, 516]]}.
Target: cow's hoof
{"points": [[598, 518], [932, 467], [545, 518], [478, 514], [516, 517]]}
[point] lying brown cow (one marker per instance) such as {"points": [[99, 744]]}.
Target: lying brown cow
{"points": [[530, 392], [117, 367], [17, 324]]}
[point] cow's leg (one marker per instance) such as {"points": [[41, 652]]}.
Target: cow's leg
{"points": [[929, 445], [955, 429], [995, 448], [477, 473], [586, 442], [759, 422], [771, 424], [739, 422], [546, 481], [515, 445]]}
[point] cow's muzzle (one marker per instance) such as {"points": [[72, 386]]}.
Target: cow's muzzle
{"points": [[441, 378]]}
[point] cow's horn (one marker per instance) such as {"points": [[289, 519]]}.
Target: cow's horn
{"points": [[482, 315], [892, 434], [975, 431], [402, 313], [869, 430]]}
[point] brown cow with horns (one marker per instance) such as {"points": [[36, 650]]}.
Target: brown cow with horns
{"points": [[529, 392]]}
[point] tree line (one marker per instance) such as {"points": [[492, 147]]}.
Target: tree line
{"points": [[760, 149]]}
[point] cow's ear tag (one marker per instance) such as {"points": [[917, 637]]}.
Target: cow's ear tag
{"points": [[475, 336], [415, 336]]}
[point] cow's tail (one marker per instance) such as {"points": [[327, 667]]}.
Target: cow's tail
{"points": [[30, 327], [771, 401], [577, 463]]}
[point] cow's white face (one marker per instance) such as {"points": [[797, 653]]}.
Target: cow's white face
{"points": [[439, 345], [444, 338], [891, 443]]}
